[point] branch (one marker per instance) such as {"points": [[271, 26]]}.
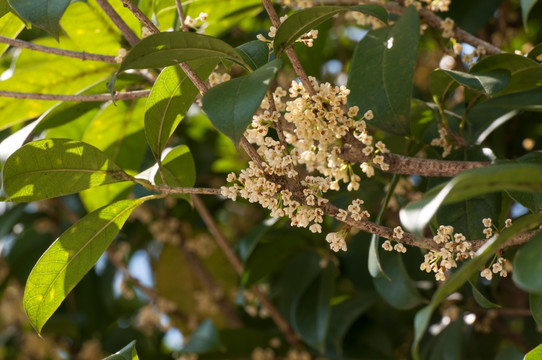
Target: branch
{"points": [[137, 94], [140, 16], [128, 34], [50, 50]]}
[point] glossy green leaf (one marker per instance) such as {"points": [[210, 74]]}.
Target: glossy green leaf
{"points": [[70, 257], [398, 290], [527, 265], [449, 343], [172, 48], [374, 263], [470, 183], [231, 105], [526, 7], [45, 14], [343, 316], [535, 304], [171, 96], [534, 354], [254, 53], [126, 353], [313, 309], [469, 268], [178, 169], [204, 339], [384, 60], [54, 167], [444, 81], [10, 26], [302, 21], [481, 299], [248, 242]]}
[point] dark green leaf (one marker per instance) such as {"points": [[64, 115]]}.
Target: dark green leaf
{"points": [[526, 6], [527, 265], [126, 353], [374, 264], [481, 299], [171, 96], [255, 53], [535, 303], [534, 354], [56, 167], [535, 52], [509, 352], [172, 48], [313, 309], [178, 169], [469, 268], [448, 344], [444, 81], [304, 20], [399, 290], [380, 77], [422, 115], [70, 257], [231, 105], [470, 183], [248, 243], [203, 340], [45, 14]]}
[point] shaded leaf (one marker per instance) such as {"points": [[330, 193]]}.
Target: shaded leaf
{"points": [[385, 60], [481, 299], [171, 96], [526, 6], [126, 353], [45, 14], [527, 265], [535, 304], [470, 183], [448, 344], [302, 21], [204, 339], [70, 257], [254, 53], [55, 167], [231, 105]]}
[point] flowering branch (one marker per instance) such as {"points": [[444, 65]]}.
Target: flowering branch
{"points": [[50, 50]]}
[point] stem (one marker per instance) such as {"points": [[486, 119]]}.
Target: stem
{"points": [[50, 50], [180, 11], [136, 94], [128, 34]]}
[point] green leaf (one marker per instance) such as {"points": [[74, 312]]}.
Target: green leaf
{"points": [[534, 354], [527, 265], [535, 303], [526, 6], [399, 290], [448, 345], [117, 130], [481, 299], [374, 263], [304, 20], [313, 309], [444, 81], [172, 48], [204, 339], [470, 183], [126, 353], [343, 316], [54, 167], [10, 26], [248, 242], [385, 59], [171, 96], [4, 8], [45, 14], [535, 52], [179, 170], [254, 53], [70, 257], [231, 105], [463, 274]]}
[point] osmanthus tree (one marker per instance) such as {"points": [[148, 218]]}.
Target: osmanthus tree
{"points": [[254, 180]]}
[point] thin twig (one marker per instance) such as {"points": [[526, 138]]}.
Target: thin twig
{"points": [[51, 50], [140, 16], [169, 190], [128, 34], [136, 94], [180, 11]]}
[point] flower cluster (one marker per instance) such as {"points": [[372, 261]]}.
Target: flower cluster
{"points": [[447, 27], [307, 39], [499, 266], [398, 233], [433, 5], [455, 248], [198, 23], [315, 125], [442, 141]]}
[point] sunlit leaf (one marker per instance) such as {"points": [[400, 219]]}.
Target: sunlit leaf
{"points": [[126, 353], [380, 76], [10, 26], [55, 167], [231, 105], [534, 354], [70, 257]]}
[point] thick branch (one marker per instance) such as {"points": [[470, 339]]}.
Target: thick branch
{"points": [[50, 50], [137, 94], [128, 34]]}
